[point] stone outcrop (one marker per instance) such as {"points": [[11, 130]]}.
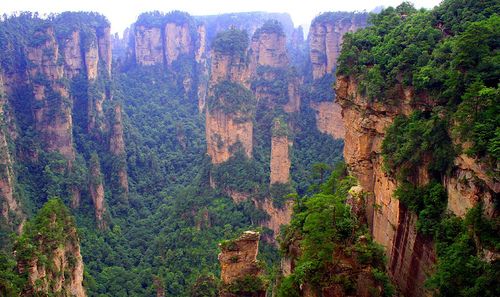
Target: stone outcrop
{"points": [[117, 146], [53, 121], [410, 255], [280, 160], [9, 206], [325, 39], [238, 260], [61, 270], [148, 45], [268, 49], [223, 131], [329, 118], [177, 41], [96, 190]]}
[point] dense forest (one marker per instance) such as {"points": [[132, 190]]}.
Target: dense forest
{"points": [[108, 178]]}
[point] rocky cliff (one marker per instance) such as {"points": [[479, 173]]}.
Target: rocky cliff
{"points": [[49, 254], [411, 255], [117, 147], [96, 190], [53, 120], [239, 266], [280, 160], [325, 41], [10, 208], [230, 108]]}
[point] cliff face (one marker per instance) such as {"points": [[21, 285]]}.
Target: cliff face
{"points": [[177, 41], [225, 129], [238, 260], [96, 189], [117, 146], [52, 259], [328, 118], [280, 160], [148, 46], [9, 206], [53, 121], [325, 40], [410, 255]]}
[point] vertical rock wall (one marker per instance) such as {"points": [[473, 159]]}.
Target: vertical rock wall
{"points": [[411, 256]]}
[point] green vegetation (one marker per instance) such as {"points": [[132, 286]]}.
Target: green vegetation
{"points": [[276, 88], [448, 55], [159, 19], [341, 16], [327, 231], [232, 98], [247, 285], [270, 27], [461, 269], [409, 142], [428, 202], [232, 42]]}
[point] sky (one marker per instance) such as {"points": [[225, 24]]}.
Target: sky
{"points": [[122, 13]]}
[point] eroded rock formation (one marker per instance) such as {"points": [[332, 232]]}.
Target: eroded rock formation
{"points": [[410, 254], [9, 206], [238, 261], [96, 189], [328, 118], [280, 160], [53, 120], [117, 146], [325, 39], [52, 262]]}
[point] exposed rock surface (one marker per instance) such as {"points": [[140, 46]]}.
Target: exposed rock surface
{"points": [[117, 146], [280, 160], [9, 206], [96, 189], [148, 46], [177, 41], [325, 40], [53, 121], [60, 272], [238, 260], [410, 254], [329, 118], [224, 130]]}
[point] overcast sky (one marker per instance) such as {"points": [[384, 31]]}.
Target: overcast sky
{"points": [[122, 13]]}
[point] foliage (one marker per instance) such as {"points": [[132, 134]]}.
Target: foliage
{"points": [[340, 16], [428, 202], [10, 281], [324, 227], [277, 87], [270, 27], [205, 286], [231, 98], [247, 284], [232, 42], [239, 173], [461, 270], [449, 55], [409, 142]]}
